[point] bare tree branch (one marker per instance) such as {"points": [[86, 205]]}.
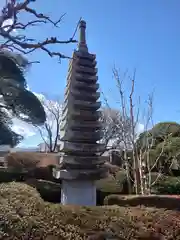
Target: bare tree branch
{"points": [[136, 149], [50, 131], [10, 32]]}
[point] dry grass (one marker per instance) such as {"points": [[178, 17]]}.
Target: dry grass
{"points": [[24, 215], [31, 159]]}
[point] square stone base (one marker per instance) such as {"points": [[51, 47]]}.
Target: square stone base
{"points": [[81, 193]]}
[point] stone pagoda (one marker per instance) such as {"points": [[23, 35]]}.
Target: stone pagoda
{"points": [[80, 163]]}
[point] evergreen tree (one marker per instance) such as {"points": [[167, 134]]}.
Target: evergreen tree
{"points": [[16, 100]]}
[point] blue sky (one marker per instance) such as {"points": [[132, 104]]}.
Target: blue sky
{"points": [[129, 33]]}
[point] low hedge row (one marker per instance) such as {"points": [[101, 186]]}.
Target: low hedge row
{"points": [[51, 192], [12, 174], [158, 201], [9, 175], [24, 215], [50, 187]]}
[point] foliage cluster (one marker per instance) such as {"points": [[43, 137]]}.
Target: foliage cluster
{"points": [[30, 160], [169, 185], [164, 145], [16, 100]]}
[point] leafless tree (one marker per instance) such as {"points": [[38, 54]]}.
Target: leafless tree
{"points": [[13, 30], [136, 158], [49, 132], [113, 127]]}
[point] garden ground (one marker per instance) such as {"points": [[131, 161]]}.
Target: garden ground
{"points": [[24, 215]]}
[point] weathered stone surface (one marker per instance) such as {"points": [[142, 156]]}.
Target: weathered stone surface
{"points": [[82, 95], [77, 166], [80, 115], [85, 55], [82, 37], [94, 160], [85, 70], [81, 125], [86, 78], [82, 174], [75, 76], [72, 192], [72, 135], [80, 128], [80, 85], [71, 103], [85, 62], [86, 148]]}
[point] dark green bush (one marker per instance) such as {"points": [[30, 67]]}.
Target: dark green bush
{"points": [[9, 175], [109, 184], [44, 173], [113, 184], [168, 185], [13, 174], [49, 191]]}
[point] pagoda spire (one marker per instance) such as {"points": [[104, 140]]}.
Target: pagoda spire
{"points": [[80, 163], [82, 46]]}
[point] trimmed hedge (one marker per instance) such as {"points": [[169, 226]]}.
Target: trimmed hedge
{"points": [[158, 201], [49, 191], [20, 160], [49, 187], [9, 175], [24, 215], [12, 174]]}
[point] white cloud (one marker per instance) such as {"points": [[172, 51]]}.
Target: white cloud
{"points": [[6, 25], [140, 128], [22, 128], [40, 96], [28, 131]]}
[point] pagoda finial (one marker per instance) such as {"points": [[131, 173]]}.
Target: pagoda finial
{"points": [[82, 46]]}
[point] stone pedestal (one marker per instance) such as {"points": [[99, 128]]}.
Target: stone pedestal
{"points": [[76, 192]]}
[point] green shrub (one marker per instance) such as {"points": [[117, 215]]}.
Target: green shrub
{"points": [[109, 185], [168, 185], [12, 174], [9, 175], [24, 215], [44, 173], [112, 184], [49, 191]]}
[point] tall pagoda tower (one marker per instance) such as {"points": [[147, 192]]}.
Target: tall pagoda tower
{"points": [[80, 164]]}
